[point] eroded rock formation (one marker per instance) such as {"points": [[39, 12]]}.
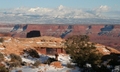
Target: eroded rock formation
{"points": [[108, 35]]}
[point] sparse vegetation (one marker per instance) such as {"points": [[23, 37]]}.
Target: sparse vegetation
{"points": [[19, 71], [69, 65], [50, 60], [1, 40], [1, 57], [15, 64], [33, 53], [15, 61], [15, 57], [24, 63], [3, 69], [37, 63], [82, 51]]}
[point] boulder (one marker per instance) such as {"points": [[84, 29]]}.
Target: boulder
{"points": [[56, 64]]}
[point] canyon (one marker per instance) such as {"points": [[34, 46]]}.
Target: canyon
{"points": [[108, 35]]}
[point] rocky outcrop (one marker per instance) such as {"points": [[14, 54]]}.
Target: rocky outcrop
{"points": [[18, 45], [5, 35], [56, 64]]}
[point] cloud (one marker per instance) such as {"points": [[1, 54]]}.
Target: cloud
{"points": [[61, 7], [60, 12], [102, 8], [101, 11]]}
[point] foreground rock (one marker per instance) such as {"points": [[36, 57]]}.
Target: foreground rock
{"points": [[56, 64], [17, 45]]}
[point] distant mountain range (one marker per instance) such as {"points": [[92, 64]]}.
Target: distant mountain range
{"points": [[59, 15]]}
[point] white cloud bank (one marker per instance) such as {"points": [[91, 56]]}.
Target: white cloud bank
{"points": [[59, 15], [102, 8]]}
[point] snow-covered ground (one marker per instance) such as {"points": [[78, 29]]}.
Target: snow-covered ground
{"points": [[64, 59], [45, 68]]}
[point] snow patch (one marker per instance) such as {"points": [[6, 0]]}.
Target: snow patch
{"points": [[7, 40], [2, 48], [105, 50]]}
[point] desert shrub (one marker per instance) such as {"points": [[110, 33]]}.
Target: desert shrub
{"points": [[50, 60], [15, 64], [1, 40], [33, 53], [19, 71], [15, 60], [69, 65], [37, 63], [82, 51], [1, 57], [3, 69], [23, 63], [15, 57], [40, 71]]}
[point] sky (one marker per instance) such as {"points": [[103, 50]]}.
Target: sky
{"points": [[55, 3], [60, 11]]}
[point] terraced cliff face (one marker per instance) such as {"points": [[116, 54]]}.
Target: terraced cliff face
{"points": [[108, 35]]}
